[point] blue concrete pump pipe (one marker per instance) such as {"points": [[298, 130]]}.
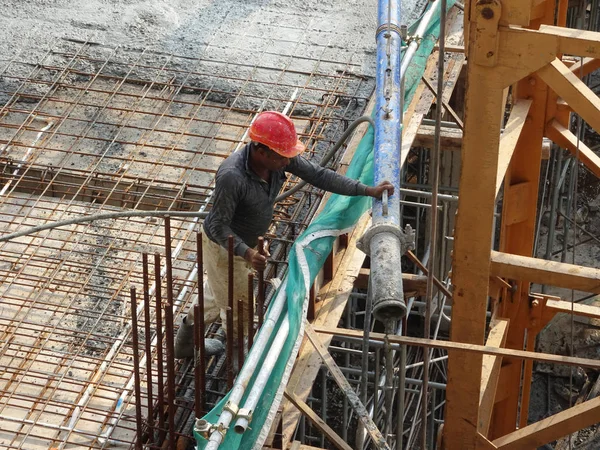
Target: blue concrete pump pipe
{"points": [[386, 233]]}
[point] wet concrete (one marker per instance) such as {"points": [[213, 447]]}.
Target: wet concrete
{"points": [[228, 30]]}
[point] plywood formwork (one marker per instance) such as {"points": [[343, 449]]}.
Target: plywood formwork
{"points": [[91, 129]]}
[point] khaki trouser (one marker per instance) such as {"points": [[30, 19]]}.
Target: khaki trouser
{"points": [[216, 286]]}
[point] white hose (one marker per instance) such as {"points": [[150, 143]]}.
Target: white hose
{"points": [[263, 376], [250, 364], [416, 41]]}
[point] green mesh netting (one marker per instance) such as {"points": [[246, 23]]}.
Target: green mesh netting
{"points": [[305, 261]]}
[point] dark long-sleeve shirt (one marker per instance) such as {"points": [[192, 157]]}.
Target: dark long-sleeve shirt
{"points": [[243, 202]]}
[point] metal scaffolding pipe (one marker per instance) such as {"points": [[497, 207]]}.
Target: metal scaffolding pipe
{"points": [[415, 42]]}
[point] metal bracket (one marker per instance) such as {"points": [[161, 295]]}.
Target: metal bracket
{"points": [[245, 413], [204, 428], [406, 237], [231, 408], [414, 37]]}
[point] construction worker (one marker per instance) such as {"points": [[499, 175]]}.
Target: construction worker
{"points": [[246, 186]]}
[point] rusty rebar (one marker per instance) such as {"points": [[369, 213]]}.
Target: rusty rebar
{"points": [[171, 407], [199, 332], [148, 339], [76, 135], [136, 370], [260, 300], [230, 305], [160, 391], [199, 366], [250, 310]]}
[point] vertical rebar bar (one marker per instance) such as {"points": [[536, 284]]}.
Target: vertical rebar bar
{"points": [[199, 332], [364, 380], [349, 309], [260, 307], [199, 367], [240, 337], [148, 340], [169, 338], [569, 207], [389, 380], [229, 324], [250, 310], [376, 384], [401, 393], [558, 157], [323, 400], [160, 392], [136, 370]]}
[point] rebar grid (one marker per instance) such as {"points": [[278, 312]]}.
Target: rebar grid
{"points": [[92, 129]]}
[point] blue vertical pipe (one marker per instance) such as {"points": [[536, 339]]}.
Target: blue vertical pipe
{"points": [[385, 243]]}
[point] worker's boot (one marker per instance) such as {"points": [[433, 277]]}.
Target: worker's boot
{"points": [[184, 343]]}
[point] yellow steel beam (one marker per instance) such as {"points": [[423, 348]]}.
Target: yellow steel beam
{"points": [[552, 273], [491, 373], [563, 137], [510, 137], [552, 428]]}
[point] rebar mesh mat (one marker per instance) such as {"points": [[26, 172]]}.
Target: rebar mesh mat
{"points": [[90, 129]]}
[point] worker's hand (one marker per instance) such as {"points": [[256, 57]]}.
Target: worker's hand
{"points": [[377, 191], [258, 261]]}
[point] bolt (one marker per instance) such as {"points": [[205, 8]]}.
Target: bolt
{"points": [[487, 13]]}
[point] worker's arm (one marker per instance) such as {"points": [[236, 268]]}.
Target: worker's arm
{"points": [[331, 181]]}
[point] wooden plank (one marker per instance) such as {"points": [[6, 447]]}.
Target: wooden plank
{"points": [[450, 138], [483, 443], [410, 282], [329, 433], [445, 103], [563, 137], [516, 12], [467, 349], [451, 48], [519, 196], [574, 91], [490, 374], [574, 42], [550, 273], [472, 241], [510, 137], [561, 306], [334, 296], [377, 438], [585, 66], [423, 98], [553, 427]]}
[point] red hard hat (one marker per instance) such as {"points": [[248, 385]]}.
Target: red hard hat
{"points": [[276, 131]]}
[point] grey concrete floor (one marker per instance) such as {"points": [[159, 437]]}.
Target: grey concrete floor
{"points": [[230, 30]]}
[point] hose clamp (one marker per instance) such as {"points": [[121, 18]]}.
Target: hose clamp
{"points": [[232, 408], [204, 428], [415, 37], [388, 26], [245, 413], [406, 237]]}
